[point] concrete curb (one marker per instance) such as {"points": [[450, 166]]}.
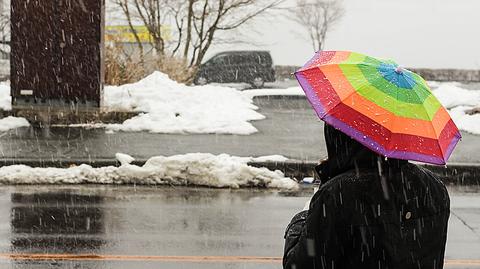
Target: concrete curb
{"points": [[464, 75], [280, 97], [66, 116], [452, 174], [65, 163]]}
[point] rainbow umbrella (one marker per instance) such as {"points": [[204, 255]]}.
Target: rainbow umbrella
{"points": [[390, 110]]}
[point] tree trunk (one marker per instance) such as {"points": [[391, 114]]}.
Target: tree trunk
{"points": [[126, 10], [189, 28]]}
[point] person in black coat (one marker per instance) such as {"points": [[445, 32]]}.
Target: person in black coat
{"points": [[370, 212]]}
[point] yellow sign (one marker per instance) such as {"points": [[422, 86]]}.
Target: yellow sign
{"points": [[122, 33]]}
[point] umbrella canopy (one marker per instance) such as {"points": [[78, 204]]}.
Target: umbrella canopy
{"points": [[388, 109]]}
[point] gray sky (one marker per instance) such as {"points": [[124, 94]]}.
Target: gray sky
{"points": [[415, 33]]}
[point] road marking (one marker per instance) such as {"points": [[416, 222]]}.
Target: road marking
{"points": [[463, 262], [206, 259], [97, 257]]}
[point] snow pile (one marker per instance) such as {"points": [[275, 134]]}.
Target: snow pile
{"points": [[458, 101], [5, 99], [124, 159], [269, 158], [464, 121], [171, 107], [451, 95], [12, 123], [9, 123], [270, 92], [200, 169]]}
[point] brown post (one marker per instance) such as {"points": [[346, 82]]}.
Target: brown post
{"points": [[56, 54]]}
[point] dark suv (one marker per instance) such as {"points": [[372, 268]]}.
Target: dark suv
{"points": [[254, 67]]}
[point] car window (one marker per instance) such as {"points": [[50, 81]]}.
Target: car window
{"points": [[239, 59], [221, 60], [263, 59]]}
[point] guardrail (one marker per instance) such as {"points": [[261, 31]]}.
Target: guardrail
{"points": [[452, 174], [461, 75]]}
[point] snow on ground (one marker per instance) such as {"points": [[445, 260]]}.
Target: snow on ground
{"points": [[176, 108], [458, 101], [9, 123], [200, 169], [269, 158], [5, 100], [270, 92], [464, 121], [451, 95], [124, 159]]}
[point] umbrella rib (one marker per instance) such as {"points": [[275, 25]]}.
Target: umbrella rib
{"points": [[431, 122], [342, 102], [391, 134], [435, 132], [396, 109]]}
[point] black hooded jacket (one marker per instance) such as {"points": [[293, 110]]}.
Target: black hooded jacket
{"points": [[369, 213]]}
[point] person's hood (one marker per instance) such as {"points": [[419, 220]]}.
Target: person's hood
{"points": [[345, 154]]}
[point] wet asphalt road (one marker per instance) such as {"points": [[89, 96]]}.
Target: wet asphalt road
{"points": [[143, 227], [290, 129]]}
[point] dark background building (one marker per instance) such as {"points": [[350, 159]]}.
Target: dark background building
{"points": [[56, 53]]}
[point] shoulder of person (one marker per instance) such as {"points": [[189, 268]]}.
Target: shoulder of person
{"points": [[433, 181], [353, 178], [328, 191], [427, 175]]}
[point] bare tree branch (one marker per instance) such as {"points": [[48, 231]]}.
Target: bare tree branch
{"points": [[123, 4], [317, 17], [196, 22]]}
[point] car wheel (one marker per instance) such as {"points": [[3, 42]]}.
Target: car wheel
{"points": [[258, 82], [201, 81]]}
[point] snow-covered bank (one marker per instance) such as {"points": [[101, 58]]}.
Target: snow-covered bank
{"points": [[5, 99], [200, 169], [171, 107], [458, 101], [176, 108], [464, 121], [9, 123], [451, 95], [269, 92]]}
